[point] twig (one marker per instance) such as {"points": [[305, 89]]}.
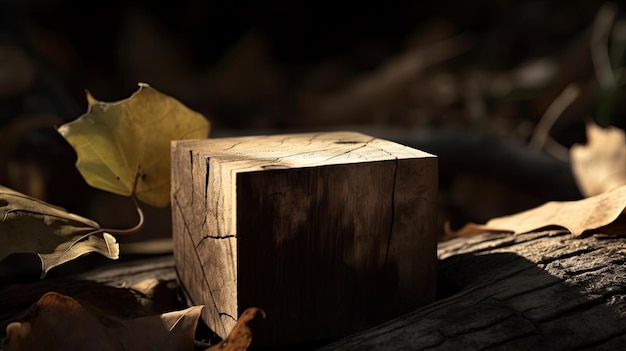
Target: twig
{"points": [[600, 33], [556, 150], [128, 231], [542, 130], [138, 226], [371, 90]]}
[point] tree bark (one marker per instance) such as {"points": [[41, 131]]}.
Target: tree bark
{"points": [[537, 291]]}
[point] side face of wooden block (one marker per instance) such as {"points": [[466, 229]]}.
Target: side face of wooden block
{"points": [[205, 257], [328, 241]]}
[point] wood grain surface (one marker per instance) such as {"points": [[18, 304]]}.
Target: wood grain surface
{"points": [[329, 233]]}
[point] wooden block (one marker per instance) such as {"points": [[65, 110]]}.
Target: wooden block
{"points": [[329, 233]]}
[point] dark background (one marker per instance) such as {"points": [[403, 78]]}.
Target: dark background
{"points": [[256, 66]]}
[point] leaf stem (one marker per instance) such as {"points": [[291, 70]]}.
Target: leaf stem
{"points": [[128, 231]]}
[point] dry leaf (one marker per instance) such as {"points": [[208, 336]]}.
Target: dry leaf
{"points": [[600, 165], [117, 300], [155, 294], [124, 147], [58, 322], [240, 337], [575, 216], [31, 225]]}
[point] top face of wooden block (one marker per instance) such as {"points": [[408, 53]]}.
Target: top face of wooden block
{"points": [[302, 149]]}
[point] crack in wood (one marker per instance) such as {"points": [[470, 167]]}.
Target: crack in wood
{"points": [[224, 314], [393, 210], [205, 282], [584, 306], [520, 314], [191, 172], [218, 197], [204, 274], [523, 292], [182, 215], [213, 237], [199, 260], [206, 190], [344, 153], [564, 256], [233, 145], [310, 140]]}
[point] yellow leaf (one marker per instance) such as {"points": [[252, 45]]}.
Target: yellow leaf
{"points": [[33, 226], [600, 165], [124, 147], [575, 216]]}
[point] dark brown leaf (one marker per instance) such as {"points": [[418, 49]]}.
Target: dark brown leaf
{"points": [[240, 337]]}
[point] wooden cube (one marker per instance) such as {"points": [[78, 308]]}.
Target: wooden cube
{"points": [[329, 233]]}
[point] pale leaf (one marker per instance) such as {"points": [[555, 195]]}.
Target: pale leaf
{"points": [[124, 146], [575, 216], [600, 165], [29, 225]]}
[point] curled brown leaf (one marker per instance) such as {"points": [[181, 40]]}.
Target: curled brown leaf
{"points": [[58, 322], [240, 337]]}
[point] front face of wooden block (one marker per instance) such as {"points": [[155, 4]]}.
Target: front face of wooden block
{"points": [[331, 250]]}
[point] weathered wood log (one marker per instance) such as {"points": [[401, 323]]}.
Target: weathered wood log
{"points": [[538, 291], [314, 228]]}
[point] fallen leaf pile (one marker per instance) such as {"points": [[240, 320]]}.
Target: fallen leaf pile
{"points": [[60, 322], [600, 170], [124, 147], [29, 225]]}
